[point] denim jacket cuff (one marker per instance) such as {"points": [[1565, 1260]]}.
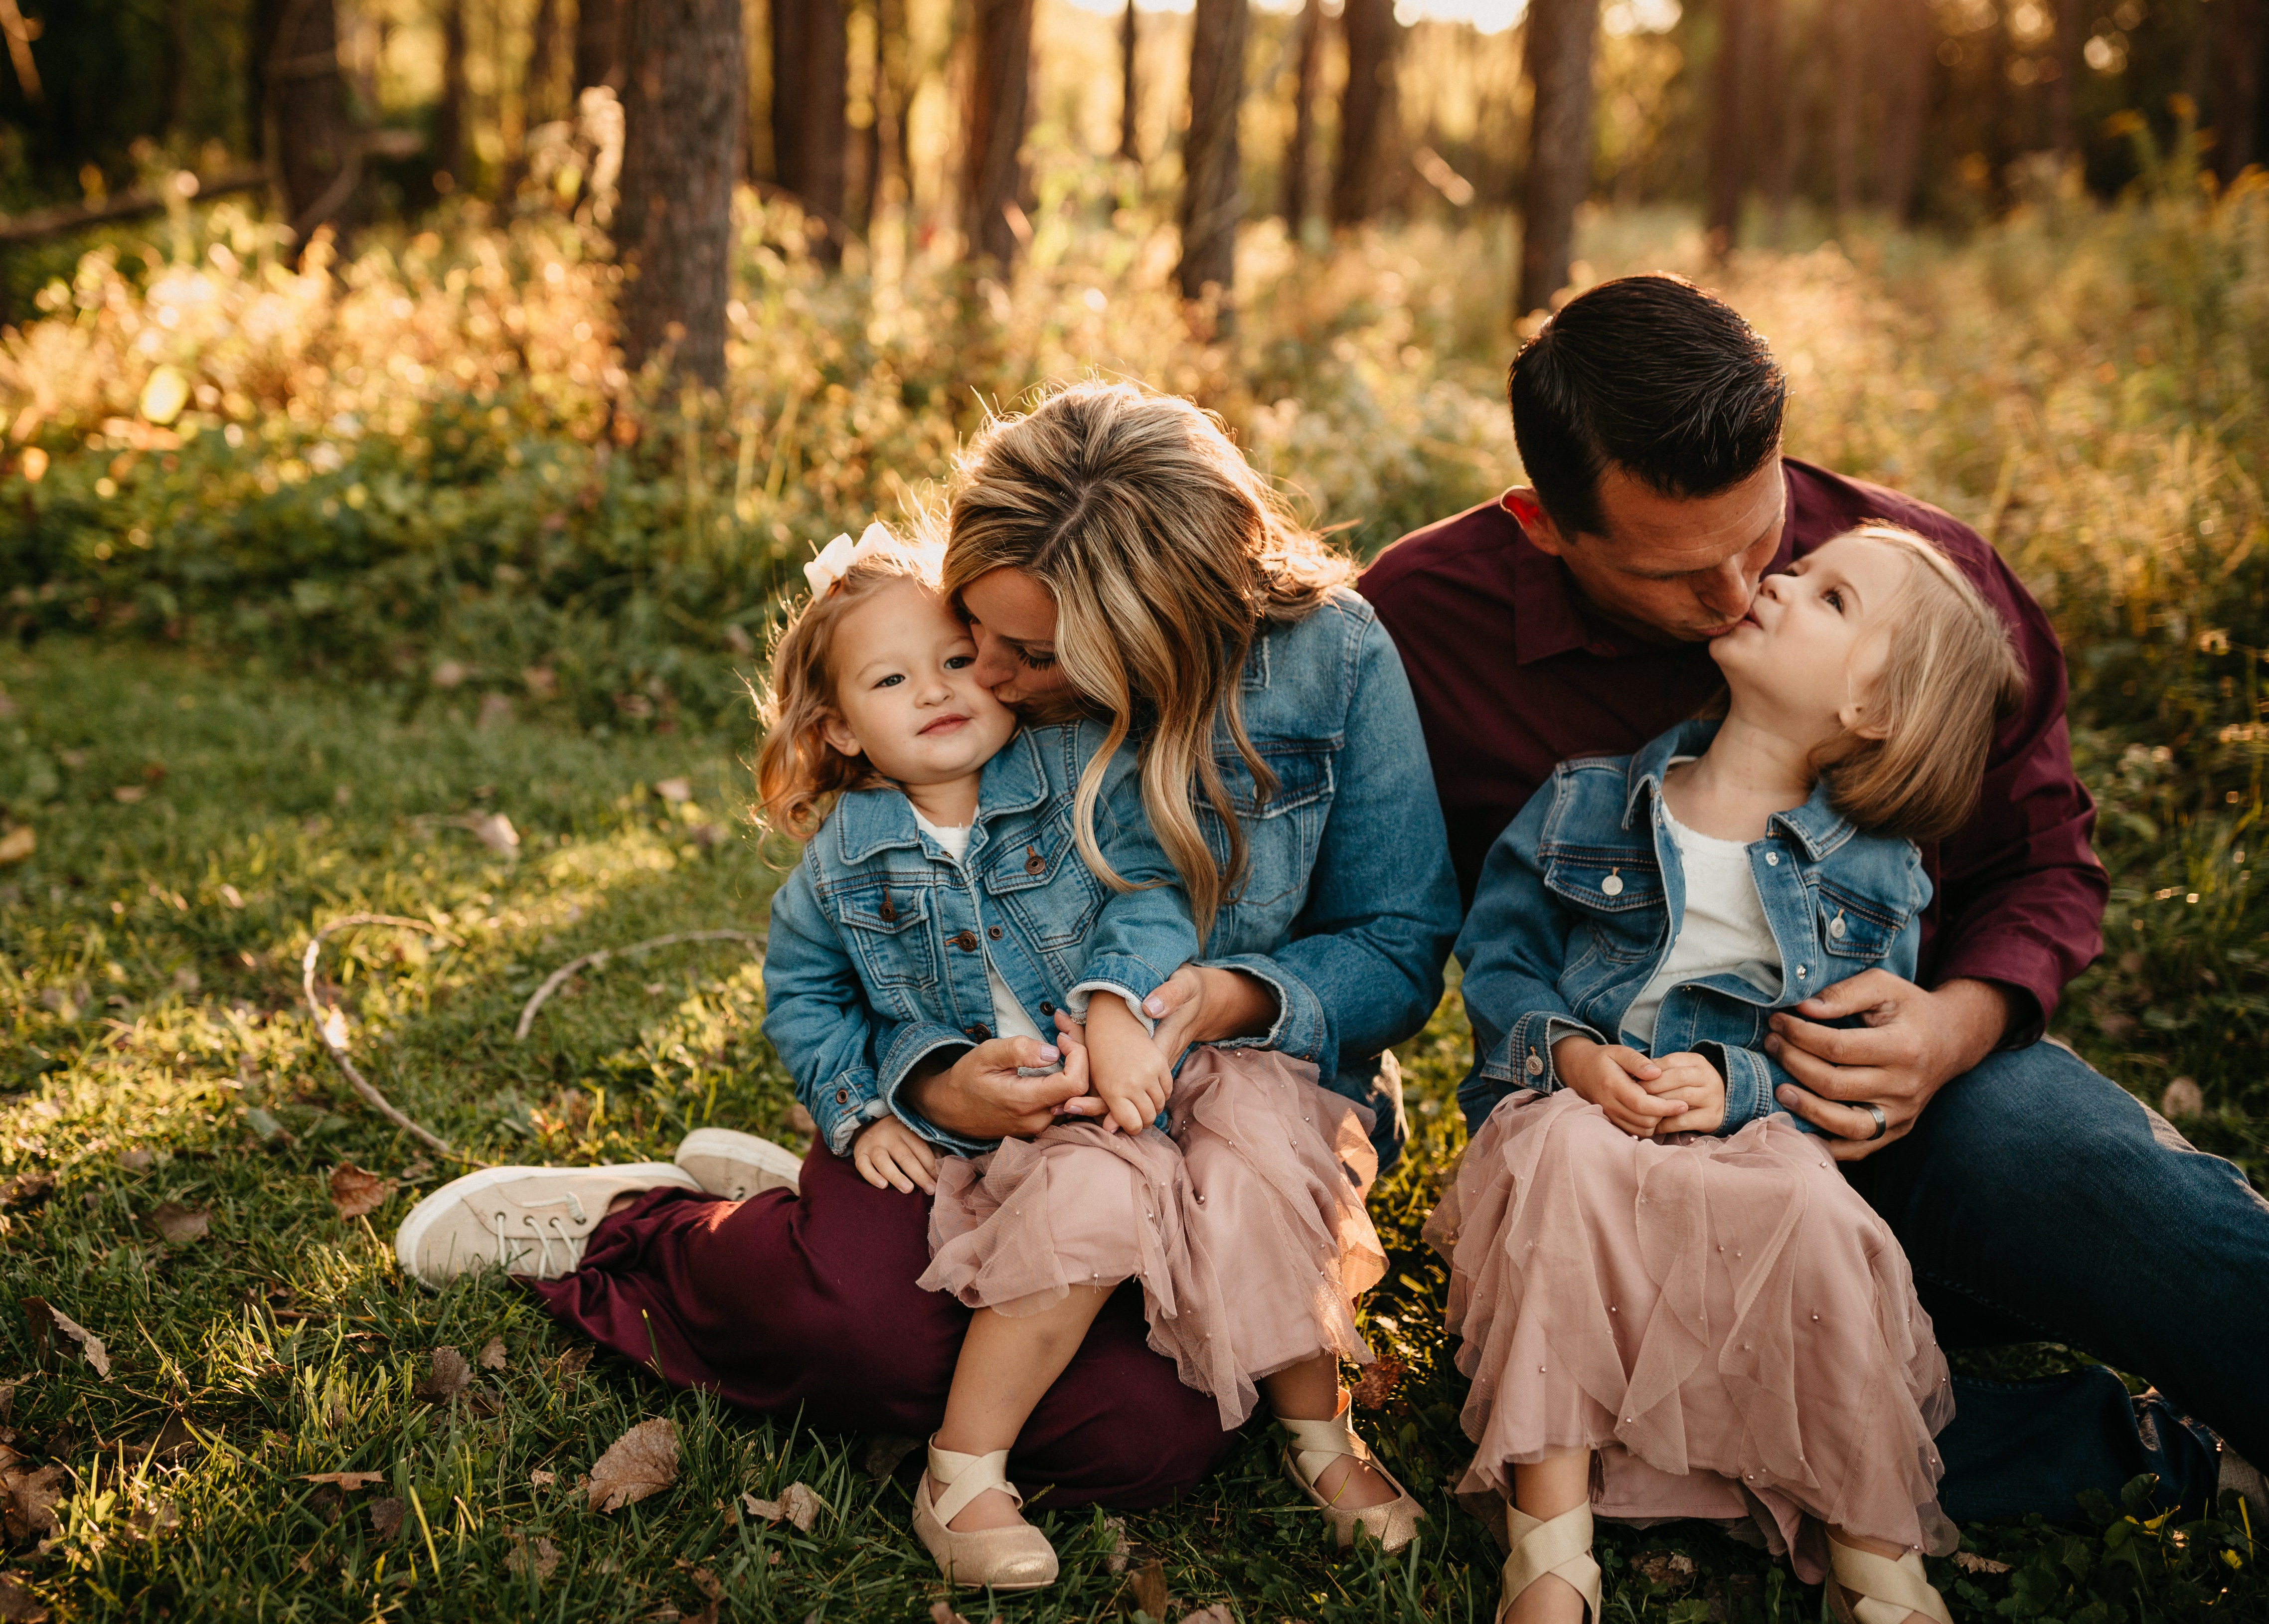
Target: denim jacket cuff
{"points": [[840, 1108], [913, 1044], [1524, 1059], [1105, 981], [1748, 1084], [1300, 1029]]}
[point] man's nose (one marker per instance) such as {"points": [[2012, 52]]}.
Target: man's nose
{"points": [[1727, 589]]}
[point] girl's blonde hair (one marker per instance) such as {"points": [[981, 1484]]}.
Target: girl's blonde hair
{"points": [[1165, 551], [1951, 676], [800, 775]]}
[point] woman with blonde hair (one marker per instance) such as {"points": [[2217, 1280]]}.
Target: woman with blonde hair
{"points": [[1119, 561]]}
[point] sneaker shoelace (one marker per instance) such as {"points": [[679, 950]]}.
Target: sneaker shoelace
{"points": [[542, 1234]]}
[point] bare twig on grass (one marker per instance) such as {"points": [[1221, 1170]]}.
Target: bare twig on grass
{"points": [[333, 1029], [553, 982]]}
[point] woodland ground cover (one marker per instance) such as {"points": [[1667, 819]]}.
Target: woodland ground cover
{"points": [[404, 555]]}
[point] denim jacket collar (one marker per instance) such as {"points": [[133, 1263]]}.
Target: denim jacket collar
{"points": [[1815, 827], [869, 821]]}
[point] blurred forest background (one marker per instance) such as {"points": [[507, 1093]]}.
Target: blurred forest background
{"points": [[412, 412]]}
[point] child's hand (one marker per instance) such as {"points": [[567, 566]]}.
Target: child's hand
{"points": [[1128, 1073], [1615, 1079], [1690, 1079], [888, 1155]]}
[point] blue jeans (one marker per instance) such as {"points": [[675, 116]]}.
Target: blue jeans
{"points": [[2039, 1202]]}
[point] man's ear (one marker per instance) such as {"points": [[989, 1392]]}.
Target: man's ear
{"points": [[1521, 502], [837, 732]]}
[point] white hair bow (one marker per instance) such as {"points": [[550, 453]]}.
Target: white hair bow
{"points": [[843, 555]]}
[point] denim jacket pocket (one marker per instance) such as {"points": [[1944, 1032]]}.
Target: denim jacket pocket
{"points": [[1617, 891], [1041, 880], [1281, 833], [1855, 926], [887, 926]]}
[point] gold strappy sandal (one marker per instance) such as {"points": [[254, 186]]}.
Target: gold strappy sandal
{"points": [[1003, 1559], [1887, 1591], [1315, 1445], [1561, 1547]]}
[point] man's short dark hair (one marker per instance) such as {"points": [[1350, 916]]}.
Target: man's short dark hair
{"points": [[1650, 373]]}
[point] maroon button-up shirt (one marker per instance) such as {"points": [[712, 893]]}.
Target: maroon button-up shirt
{"points": [[1514, 674]]}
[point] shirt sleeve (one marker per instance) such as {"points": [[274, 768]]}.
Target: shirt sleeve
{"points": [[816, 1016]]}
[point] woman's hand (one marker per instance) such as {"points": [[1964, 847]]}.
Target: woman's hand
{"points": [[1689, 1079], [888, 1155], [979, 1094], [1202, 1005], [1617, 1080], [1127, 1072]]}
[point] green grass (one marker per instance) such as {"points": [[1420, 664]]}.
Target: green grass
{"points": [[159, 1052]]}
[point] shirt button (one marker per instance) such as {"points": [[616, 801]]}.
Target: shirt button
{"points": [[1536, 1065], [978, 1032], [992, 932], [1772, 860], [966, 941]]}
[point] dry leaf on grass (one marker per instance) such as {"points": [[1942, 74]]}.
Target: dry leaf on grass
{"points": [[18, 1604], [1115, 1560], [1378, 1383], [50, 1325], [541, 1479], [574, 1363], [642, 1462], [26, 1189], [1149, 1588], [1214, 1614], [492, 1353], [386, 1517], [355, 1193], [155, 1520], [449, 1376], [28, 1499], [17, 844], [1969, 1561], [884, 1452], [797, 1504], [344, 1479], [178, 1224], [541, 1559], [137, 1159]]}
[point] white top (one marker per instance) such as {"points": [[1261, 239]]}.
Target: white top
{"points": [[1009, 1017], [1724, 931]]}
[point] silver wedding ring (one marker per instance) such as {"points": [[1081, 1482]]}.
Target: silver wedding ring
{"points": [[1882, 1122]]}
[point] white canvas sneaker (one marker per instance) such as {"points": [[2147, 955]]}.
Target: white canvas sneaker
{"points": [[524, 1220], [738, 1165]]}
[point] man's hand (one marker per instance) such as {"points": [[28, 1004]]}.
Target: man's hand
{"points": [[1616, 1079], [1914, 1043], [1195, 1005], [1127, 1072], [889, 1154], [980, 1096], [1689, 1079]]}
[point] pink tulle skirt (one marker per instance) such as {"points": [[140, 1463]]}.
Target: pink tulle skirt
{"points": [[1726, 1321], [1245, 1224]]}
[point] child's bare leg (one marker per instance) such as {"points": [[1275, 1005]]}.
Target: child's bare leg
{"points": [[1007, 1366], [1310, 1391], [1553, 1485]]}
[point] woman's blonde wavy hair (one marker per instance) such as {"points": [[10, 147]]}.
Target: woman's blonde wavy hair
{"points": [[1949, 678], [1166, 552], [800, 775]]}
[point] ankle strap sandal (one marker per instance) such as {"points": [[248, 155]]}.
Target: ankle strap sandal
{"points": [[1018, 1558], [1315, 1445], [1561, 1547], [1864, 1588]]}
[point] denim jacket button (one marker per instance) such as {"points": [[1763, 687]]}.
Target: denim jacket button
{"points": [[1034, 863], [993, 933], [1772, 860], [1536, 1065], [842, 1097], [966, 941], [1047, 1008]]}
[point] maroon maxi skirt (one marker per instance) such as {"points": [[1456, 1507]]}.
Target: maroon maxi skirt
{"points": [[789, 1304]]}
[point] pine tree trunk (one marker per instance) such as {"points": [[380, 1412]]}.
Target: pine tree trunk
{"points": [[2238, 88], [894, 44], [1847, 28], [1731, 81], [2071, 40], [1212, 199], [1130, 98], [1775, 104], [1000, 107], [1559, 62], [685, 90], [810, 138], [449, 118], [1905, 46], [1298, 155], [312, 138], [541, 94], [1366, 107], [598, 30]]}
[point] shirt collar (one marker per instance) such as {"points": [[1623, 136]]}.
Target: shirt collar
{"points": [[867, 821], [1816, 828]]}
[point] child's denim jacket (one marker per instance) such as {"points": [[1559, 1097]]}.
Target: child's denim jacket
{"points": [[879, 940], [1584, 894]]}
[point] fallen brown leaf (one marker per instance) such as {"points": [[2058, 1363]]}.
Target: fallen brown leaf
{"points": [[18, 1604], [386, 1517], [26, 1189], [495, 832], [574, 1363], [27, 1498], [1378, 1383], [137, 1159], [1673, 1569], [153, 1521], [448, 1375], [1969, 1561], [797, 1505], [1116, 1560], [177, 1224], [1214, 1614], [355, 1193], [49, 1322], [344, 1479], [1149, 1588], [126, 795], [2183, 1098], [176, 1441], [540, 1559], [643, 1461], [541, 1479], [884, 1452], [674, 790], [492, 1353]]}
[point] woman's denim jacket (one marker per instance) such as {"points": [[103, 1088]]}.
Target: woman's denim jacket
{"points": [[879, 940], [1348, 904], [1584, 894]]}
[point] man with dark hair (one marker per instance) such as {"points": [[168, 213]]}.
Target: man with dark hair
{"points": [[1572, 617]]}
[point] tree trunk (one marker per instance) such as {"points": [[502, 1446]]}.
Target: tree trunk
{"points": [[1906, 48], [1559, 52], [2071, 38], [540, 95], [1297, 155], [598, 45], [1366, 107], [682, 114], [1731, 79], [1779, 107], [178, 26], [810, 138], [311, 137], [1848, 48], [865, 165], [1212, 200], [993, 223], [2238, 88], [894, 49], [1130, 88], [450, 119]]}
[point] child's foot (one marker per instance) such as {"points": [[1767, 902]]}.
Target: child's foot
{"points": [[1881, 1577], [990, 1509], [967, 1514], [1336, 1471], [1549, 1599]]}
